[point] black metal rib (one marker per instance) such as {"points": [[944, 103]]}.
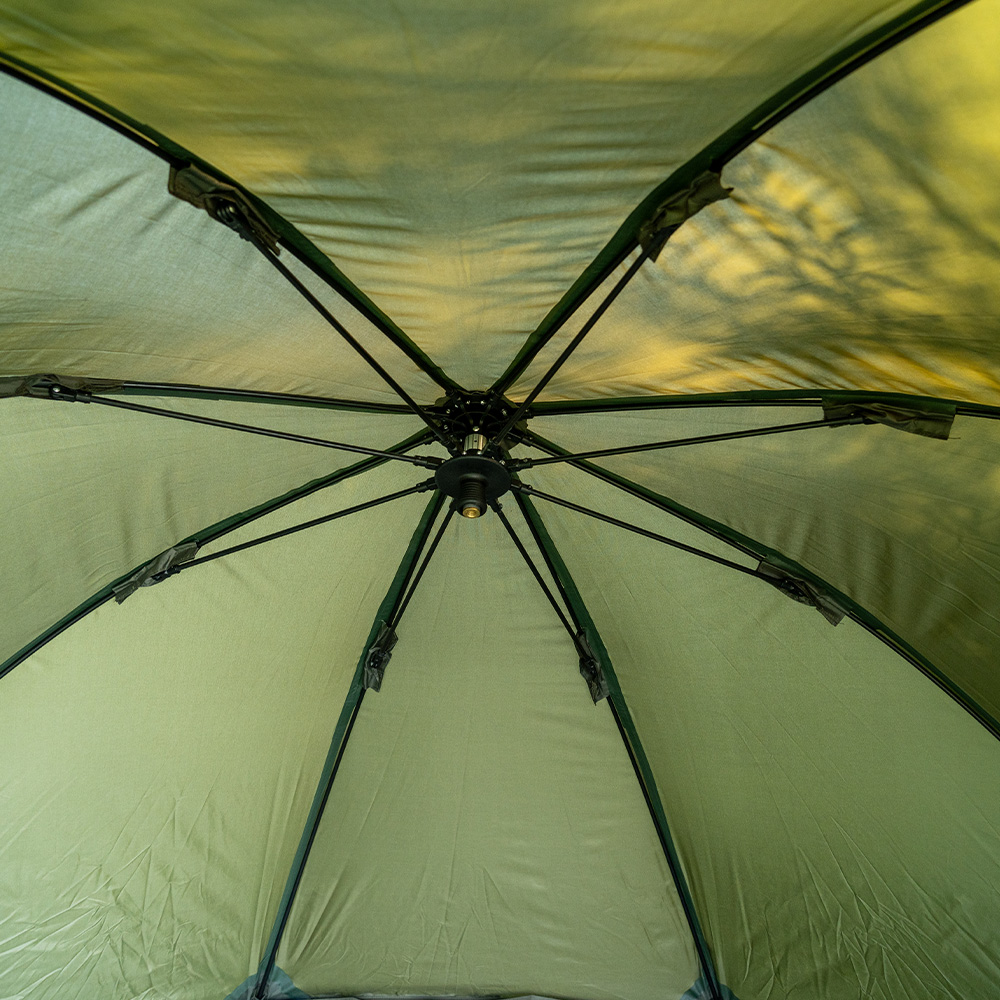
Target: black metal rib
{"points": [[635, 490], [630, 737], [571, 346], [279, 266], [608, 519], [84, 103], [643, 777], [530, 463], [819, 79], [550, 565], [757, 398], [538, 576], [338, 744], [325, 519], [185, 391], [616, 699], [423, 461], [342, 733], [177, 156], [716, 155], [758, 552], [420, 572], [203, 537], [80, 612]]}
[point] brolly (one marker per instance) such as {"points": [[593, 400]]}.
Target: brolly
{"points": [[500, 500]]}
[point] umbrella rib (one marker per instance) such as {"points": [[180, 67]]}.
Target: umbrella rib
{"points": [[858, 614], [601, 309], [423, 566], [203, 537], [633, 489], [342, 733], [530, 463], [167, 150], [630, 737], [723, 149], [537, 575], [338, 744], [78, 395], [248, 233], [522, 502], [753, 398], [186, 391], [325, 519], [644, 778], [530, 491]]}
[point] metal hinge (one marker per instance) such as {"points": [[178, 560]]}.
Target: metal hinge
{"points": [[673, 212], [590, 669], [802, 591], [378, 655], [224, 202]]}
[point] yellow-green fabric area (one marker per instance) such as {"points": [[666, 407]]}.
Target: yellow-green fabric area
{"points": [[486, 834], [836, 812], [108, 275], [860, 248], [161, 757], [462, 164], [904, 525], [90, 493]]}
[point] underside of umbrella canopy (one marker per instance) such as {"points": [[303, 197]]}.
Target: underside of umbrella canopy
{"points": [[501, 500]]}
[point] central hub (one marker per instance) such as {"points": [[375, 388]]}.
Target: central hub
{"points": [[474, 481], [477, 474]]}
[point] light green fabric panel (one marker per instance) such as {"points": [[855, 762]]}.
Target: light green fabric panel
{"points": [[461, 163], [837, 813], [160, 758], [486, 833], [90, 492], [907, 526], [859, 249], [107, 275]]}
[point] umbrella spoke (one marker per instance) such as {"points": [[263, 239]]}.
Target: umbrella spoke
{"points": [[536, 574], [616, 522], [202, 538], [76, 395], [185, 391], [325, 519], [423, 566], [590, 666], [341, 734], [235, 220], [635, 490], [542, 547], [572, 345], [615, 697], [529, 463]]}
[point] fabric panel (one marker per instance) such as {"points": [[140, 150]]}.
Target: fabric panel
{"points": [[462, 164], [835, 811], [486, 833], [906, 526], [107, 275], [161, 757], [859, 249]]}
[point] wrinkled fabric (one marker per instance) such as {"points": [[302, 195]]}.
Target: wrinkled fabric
{"points": [[860, 248], [461, 163], [489, 829]]}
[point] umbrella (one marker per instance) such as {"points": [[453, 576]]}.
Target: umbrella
{"points": [[501, 500]]}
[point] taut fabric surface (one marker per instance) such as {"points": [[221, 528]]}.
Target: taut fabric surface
{"points": [[787, 788]]}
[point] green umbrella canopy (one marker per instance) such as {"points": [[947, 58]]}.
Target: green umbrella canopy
{"points": [[695, 304]]}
